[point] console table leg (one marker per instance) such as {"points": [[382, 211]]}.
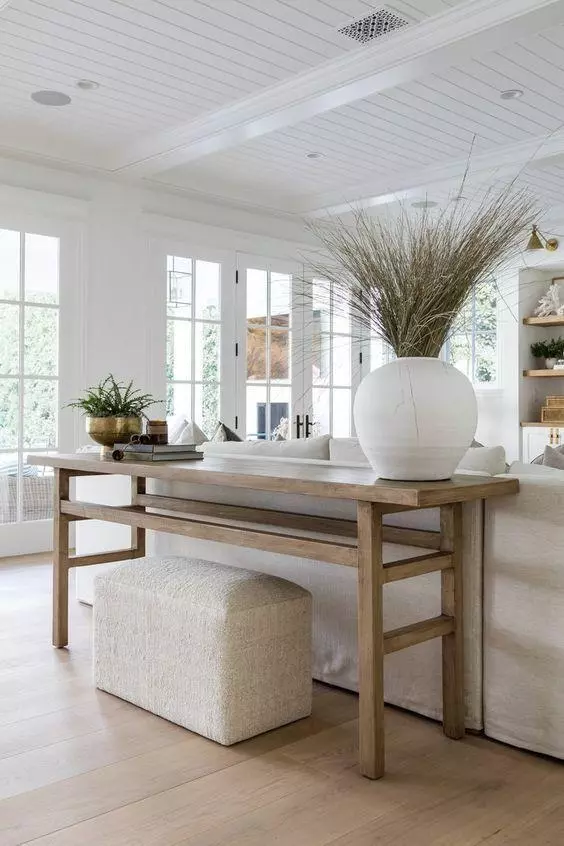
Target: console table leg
{"points": [[138, 486], [453, 644], [60, 561], [370, 641]]}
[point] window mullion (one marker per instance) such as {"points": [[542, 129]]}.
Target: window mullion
{"points": [[21, 366]]}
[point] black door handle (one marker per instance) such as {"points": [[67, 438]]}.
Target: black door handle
{"points": [[299, 426], [308, 426]]}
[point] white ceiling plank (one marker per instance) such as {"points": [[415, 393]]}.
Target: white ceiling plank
{"points": [[178, 32], [486, 88], [522, 78], [155, 60], [410, 53], [510, 159]]}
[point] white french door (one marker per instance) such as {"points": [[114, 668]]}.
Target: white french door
{"points": [[269, 348], [199, 336], [34, 377]]}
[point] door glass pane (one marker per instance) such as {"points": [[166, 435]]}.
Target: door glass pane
{"points": [[36, 491], [9, 403], [41, 341], [341, 413], [8, 487], [321, 398], [41, 269], [179, 350], [207, 290], [341, 360], [179, 399], [280, 404], [179, 296], [256, 354], [9, 332], [9, 265], [321, 363], [279, 354], [40, 414], [207, 352], [206, 412], [280, 299], [256, 412], [257, 284]]}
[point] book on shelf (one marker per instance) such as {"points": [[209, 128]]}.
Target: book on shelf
{"points": [[156, 448], [130, 455]]}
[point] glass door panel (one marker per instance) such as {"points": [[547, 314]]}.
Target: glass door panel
{"points": [[334, 363], [266, 293], [194, 340], [29, 371]]}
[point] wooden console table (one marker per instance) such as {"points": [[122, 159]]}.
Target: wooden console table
{"points": [[350, 543]]}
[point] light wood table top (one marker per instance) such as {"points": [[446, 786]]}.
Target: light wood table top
{"points": [[292, 477]]}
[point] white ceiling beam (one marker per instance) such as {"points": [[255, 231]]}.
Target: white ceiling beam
{"points": [[505, 162], [410, 53]]}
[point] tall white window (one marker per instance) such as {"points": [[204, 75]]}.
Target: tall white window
{"points": [[473, 346], [29, 370], [193, 340]]}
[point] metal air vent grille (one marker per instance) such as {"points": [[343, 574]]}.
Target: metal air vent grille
{"points": [[374, 25]]}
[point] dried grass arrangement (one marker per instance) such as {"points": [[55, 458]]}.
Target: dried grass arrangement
{"points": [[406, 278]]}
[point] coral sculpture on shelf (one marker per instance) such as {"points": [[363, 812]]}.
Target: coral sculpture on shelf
{"points": [[549, 303]]}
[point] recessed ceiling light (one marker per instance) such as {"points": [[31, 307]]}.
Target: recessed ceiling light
{"points": [[424, 204], [51, 98], [511, 94], [87, 84], [315, 155]]}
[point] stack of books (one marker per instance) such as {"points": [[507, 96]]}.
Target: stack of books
{"points": [[156, 452]]}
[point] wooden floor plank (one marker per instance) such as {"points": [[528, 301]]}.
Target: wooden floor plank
{"points": [[79, 767]]}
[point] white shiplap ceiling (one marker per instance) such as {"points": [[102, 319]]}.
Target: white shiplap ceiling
{"points": [[227, 97]]}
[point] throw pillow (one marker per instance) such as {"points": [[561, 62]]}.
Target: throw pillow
{"points": [[554, 457], [224, 433], [175, 424], [487, 460], [191, 434], [346, 451]]}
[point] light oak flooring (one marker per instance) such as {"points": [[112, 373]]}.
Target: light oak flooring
{"points": [[79, 767]]}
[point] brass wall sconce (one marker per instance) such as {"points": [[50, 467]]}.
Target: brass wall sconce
{"points": [[537, 241]]}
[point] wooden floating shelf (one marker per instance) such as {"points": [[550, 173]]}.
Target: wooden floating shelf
{"points": [[539, 425], [544, 321], [545, 373]]}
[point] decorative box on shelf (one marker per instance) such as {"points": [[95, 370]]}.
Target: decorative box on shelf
{"points": [[553, 410]]}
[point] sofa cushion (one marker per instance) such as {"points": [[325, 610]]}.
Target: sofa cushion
{"points": [[479, 459], [317, 448], [519, 468]]}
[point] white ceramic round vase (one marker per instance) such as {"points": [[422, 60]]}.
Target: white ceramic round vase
{"points": [[415, 418]]}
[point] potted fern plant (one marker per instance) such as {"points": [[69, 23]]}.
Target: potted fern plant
{"points": [[113, 411], [405, 280]]}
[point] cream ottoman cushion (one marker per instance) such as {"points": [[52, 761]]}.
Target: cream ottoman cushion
{"points": [[222, 651]]}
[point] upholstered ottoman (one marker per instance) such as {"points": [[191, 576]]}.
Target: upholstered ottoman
{"points": [[222, 651]]}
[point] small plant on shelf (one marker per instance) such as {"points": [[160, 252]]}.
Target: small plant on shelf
{"points": [[113, 411], [110, 398], [550, 350]]}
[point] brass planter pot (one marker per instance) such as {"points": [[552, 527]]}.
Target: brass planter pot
{"points": [[107, 431]]}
